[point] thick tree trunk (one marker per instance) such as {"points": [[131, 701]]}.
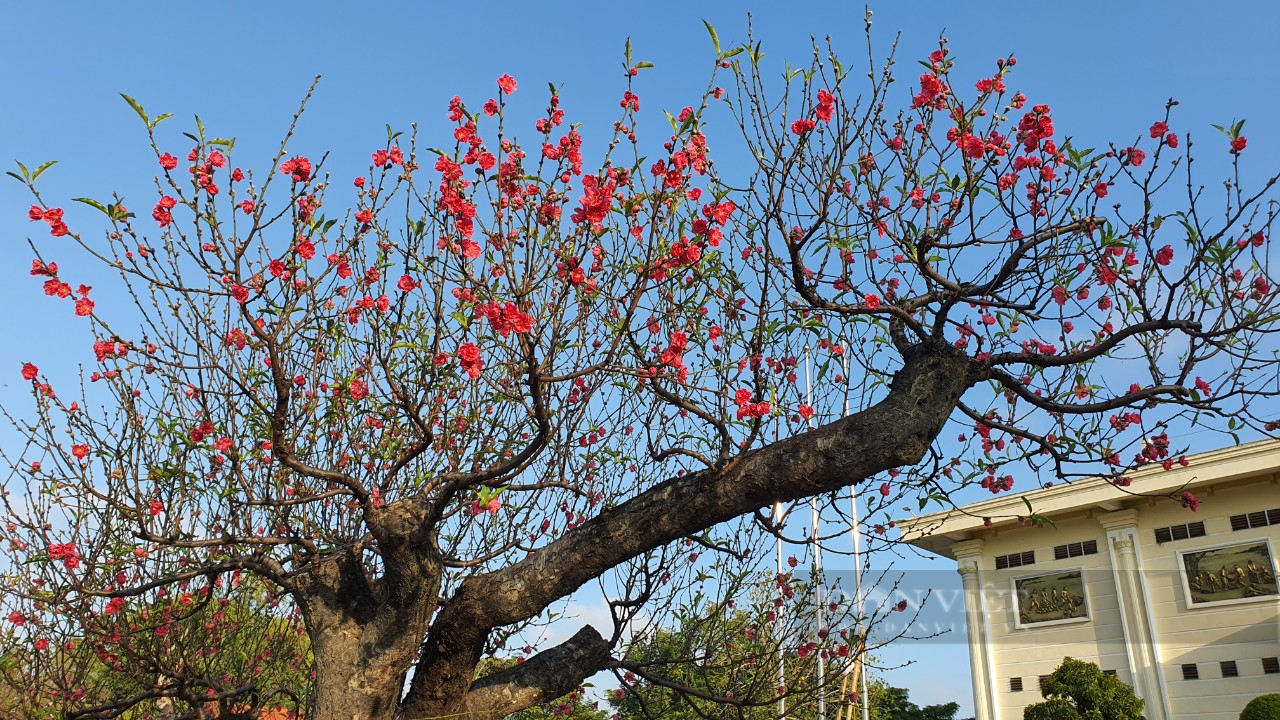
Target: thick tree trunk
{"points": [[897, 431], [365, 634], [357, 679]]}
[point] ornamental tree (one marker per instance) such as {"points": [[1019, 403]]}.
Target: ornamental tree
{"points": [[422, 407], [1079, 689]]}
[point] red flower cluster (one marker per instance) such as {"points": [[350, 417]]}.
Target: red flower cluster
{"points": [[975, 146], [237, 339], [1203, 387], [932, 93], [826, 106], [161, 211], [597, 198], [1035, 127], [104, 349], [507, 318], [387, 158], [1257, 240], [298, 167], [469, 357], [53, 287], [1190, 501], [803, 125], [991, 85], [673, 355], [53, 216], [507, 84], [200, 432], [748, 409], [66, 552]]}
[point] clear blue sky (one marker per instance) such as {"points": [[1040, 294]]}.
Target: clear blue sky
{"points": [[1105, 67]]}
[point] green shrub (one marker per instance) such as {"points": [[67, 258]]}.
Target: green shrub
{"points": [[1052, 709], [1263, 707], [1079, 689]]}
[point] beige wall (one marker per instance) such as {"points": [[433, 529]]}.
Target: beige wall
{"points": [[1242, 632]]}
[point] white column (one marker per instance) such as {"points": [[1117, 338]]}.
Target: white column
{"points": [[1141, 638], [968, 556]]}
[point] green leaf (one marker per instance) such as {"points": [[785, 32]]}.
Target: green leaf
{"points": [[732, 53], [137, 108], [41, 169], [156, 121], [93, 204], [1041, 520], [200, 128], [23, 168], [15, 176], [627, 53], [643, 64], [715, 39], [227, 143]]}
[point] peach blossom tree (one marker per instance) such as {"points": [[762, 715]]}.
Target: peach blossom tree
{"points": [[410, 412]]}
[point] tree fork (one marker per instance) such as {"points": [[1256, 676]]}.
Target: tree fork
{"points": [[896, 431]]}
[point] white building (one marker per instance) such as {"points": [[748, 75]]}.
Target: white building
{"points": [[1182, 606]]}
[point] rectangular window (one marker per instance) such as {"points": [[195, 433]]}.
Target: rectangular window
{"points": [[1256, 519], [1229, 669], [1180, 532], [1015, 684], [1190, 671], [1112, 673], [1070, 550], [1041, 685], [1271, 665], [1013, 560]]}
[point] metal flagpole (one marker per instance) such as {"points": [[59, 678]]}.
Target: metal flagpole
{"points": [[817, 549], [863, 697], [781, 630]]}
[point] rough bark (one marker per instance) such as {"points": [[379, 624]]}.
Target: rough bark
{"points": [[895, 432], [365, 634]]}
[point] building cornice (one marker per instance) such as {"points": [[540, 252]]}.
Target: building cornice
{"points": [[938, 532]]}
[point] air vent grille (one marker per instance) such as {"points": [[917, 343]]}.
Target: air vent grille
{"points": [[1256, 519], [1180, 532], [1013, 560], [1070, 550]]}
